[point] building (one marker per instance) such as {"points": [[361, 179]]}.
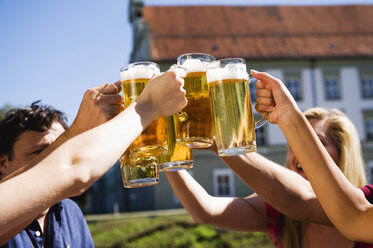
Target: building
{"points": [[324, 55]]}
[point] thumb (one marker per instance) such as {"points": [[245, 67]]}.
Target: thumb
{"points": [[265, 80]]}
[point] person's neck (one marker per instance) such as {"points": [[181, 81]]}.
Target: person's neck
{"points": [[41, 219]]}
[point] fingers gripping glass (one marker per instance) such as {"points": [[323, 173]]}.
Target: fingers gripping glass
{"points": [[177, 157], [153, 140]]}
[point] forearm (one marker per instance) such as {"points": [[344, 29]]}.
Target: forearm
{"points": [[70, 169], [225, 212], [192, 195], [285, 190], [104, 144], [344, 204], [5, 237]]}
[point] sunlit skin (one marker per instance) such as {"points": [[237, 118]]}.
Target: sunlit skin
{"points": [[320, 128], [29, 145], [345, 205], [65, 168], [233, 213], [286, 190]]}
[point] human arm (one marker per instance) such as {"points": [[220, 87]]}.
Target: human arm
{"points": [[344, 204], [99, 104], [240, 214], [284, 189], [67, 170], [11, 233]]}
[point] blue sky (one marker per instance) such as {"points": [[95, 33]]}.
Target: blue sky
{"points": [[54, 50]]}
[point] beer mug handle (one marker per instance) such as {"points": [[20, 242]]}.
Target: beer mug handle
{"points": [[263, 120], [181, 116]]}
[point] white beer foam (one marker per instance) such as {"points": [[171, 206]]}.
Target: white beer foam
{"points": [[139, 71], [194, 65], [228, 72]]}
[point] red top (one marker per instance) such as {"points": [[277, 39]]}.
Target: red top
{"points": [[276, 223], [368, 192]]}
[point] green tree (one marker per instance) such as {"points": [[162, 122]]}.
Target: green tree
{"points": [[4, 110]]}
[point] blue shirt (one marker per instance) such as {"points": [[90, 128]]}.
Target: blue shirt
{"points": [[66, 227]]}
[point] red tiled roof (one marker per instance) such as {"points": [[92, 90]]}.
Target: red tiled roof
{"points": [[261, 32]]}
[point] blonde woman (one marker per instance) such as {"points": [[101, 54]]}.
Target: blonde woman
{"points": [[349, 208], [339, 137], [279, 186]]}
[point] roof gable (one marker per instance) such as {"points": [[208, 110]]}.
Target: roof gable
{"points": [[261, 32]]}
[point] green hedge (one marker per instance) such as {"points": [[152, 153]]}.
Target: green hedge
{"points": [[176, 231]]}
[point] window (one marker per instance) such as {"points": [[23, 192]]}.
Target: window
{"points": [[260, 136], [369, 129], [252, 88], [332, 86], [223, 182], [370, 171], [368, 124], [293, 83], [366, 81], [260, 133]]}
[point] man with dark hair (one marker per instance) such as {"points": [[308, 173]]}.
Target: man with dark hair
{"points": [[16, 121], [24, 133], [38, 118], [83, 154]]}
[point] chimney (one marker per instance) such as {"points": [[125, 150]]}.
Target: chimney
{"points": [[135, 10]]}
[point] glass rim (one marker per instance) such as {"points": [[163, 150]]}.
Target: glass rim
{"points": [[133, 64], [195, 55], [225, 61]]}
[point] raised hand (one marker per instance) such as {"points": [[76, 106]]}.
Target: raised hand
{"points": [[99, 105], [273, 99], [164, 94]]}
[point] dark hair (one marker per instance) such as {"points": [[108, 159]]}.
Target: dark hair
{"points": [[35, 117]]}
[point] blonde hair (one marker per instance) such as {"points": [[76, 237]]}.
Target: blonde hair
{"points": [[344, 135]]}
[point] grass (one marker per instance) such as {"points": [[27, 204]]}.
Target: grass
{"points": [[176, 231]]}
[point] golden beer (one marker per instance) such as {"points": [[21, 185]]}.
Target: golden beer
{"points": [[178, 157], [153, 140], [232, 113], [194, 123], [138, 171]]}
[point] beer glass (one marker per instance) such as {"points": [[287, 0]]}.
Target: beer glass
{"points": [[234, 125], [178, 157], [138, 171], [194, 123], [153, 140]]}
